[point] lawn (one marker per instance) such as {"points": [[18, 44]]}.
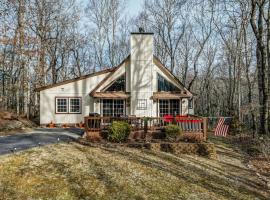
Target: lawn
{"points": [[73, 171]]}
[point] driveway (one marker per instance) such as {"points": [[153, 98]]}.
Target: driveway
{"points": [[38, 137]]}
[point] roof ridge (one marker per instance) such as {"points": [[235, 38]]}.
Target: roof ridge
{"points": [[79, 78]]}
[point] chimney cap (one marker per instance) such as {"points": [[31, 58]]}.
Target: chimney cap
{"points": [[142, 33]]}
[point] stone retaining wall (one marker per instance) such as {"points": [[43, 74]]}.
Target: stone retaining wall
{"points": [[202, 149]]}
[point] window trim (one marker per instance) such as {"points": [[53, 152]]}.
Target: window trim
{"points": [[80, 105], [113, 103], [68, 104], [169, 106], [106, 88], [139, 107], [56, 105]]}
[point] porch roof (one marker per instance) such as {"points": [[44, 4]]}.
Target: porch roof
{"points": [[110, 95], [169, 95]]}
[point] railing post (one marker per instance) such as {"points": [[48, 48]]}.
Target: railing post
{"points": [[86, 124], [145, 125], [204, 128]]}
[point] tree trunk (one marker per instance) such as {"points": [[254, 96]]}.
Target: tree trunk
{"points": [[258, 30]]}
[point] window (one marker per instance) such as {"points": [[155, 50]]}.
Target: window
{"points": [[113, 107], [74, 105], [190, 103], [118, 85], [68, 105], [174, 107], [169, 107], [163, 107], [61, 105], [141, 104], [164, 85]]}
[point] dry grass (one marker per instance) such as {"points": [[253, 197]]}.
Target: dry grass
{"points": [[73, 171]]}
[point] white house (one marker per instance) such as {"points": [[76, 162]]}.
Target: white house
{"points": [[141, 85]]}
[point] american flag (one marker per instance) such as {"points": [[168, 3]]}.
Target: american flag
{"points": [[223, 125]]}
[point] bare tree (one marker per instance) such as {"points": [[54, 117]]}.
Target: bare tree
{"points": [[169, 24]]}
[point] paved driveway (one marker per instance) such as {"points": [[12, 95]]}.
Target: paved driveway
{"points": [[38, 137]]}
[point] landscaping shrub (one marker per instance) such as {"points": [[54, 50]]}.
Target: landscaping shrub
{"points": [[172, 131], [118, 131], [193, 137]]}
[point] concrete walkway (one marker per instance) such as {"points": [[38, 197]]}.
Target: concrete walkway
{"points": [[38, 137]]}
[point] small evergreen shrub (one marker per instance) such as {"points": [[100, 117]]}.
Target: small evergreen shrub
{"points": [[118, 131], [172, 131]]}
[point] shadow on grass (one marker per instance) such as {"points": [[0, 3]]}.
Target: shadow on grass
{"points": [[231, 171], [78, 188], [208, 181]]}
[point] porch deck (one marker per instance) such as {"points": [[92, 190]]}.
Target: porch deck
{"points": [[146, 125]]}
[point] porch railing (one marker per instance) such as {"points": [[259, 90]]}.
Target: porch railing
{"points": [[187, 124]]}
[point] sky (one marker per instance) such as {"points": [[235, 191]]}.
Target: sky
{"points": [[134, 7]]}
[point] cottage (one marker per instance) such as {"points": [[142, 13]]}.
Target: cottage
{"points": [[140, 85]]}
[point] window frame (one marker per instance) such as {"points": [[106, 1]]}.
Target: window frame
{"points": [[56, 105], [164, 85], [122, 88], [80, 105], [141, 102], [111, 111], [190, 103], [168, 104], [68, 105]]}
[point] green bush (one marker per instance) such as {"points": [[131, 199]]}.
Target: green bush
{"points": [[118, 131], [172, 131]]}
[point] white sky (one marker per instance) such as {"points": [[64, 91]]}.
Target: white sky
{"points": [[134, 7]]}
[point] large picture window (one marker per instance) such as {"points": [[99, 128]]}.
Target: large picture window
{"points": [[113, 107], [70, 105], [169, 107]]}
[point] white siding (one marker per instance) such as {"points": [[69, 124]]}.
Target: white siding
{"points": [[80, 88]]}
